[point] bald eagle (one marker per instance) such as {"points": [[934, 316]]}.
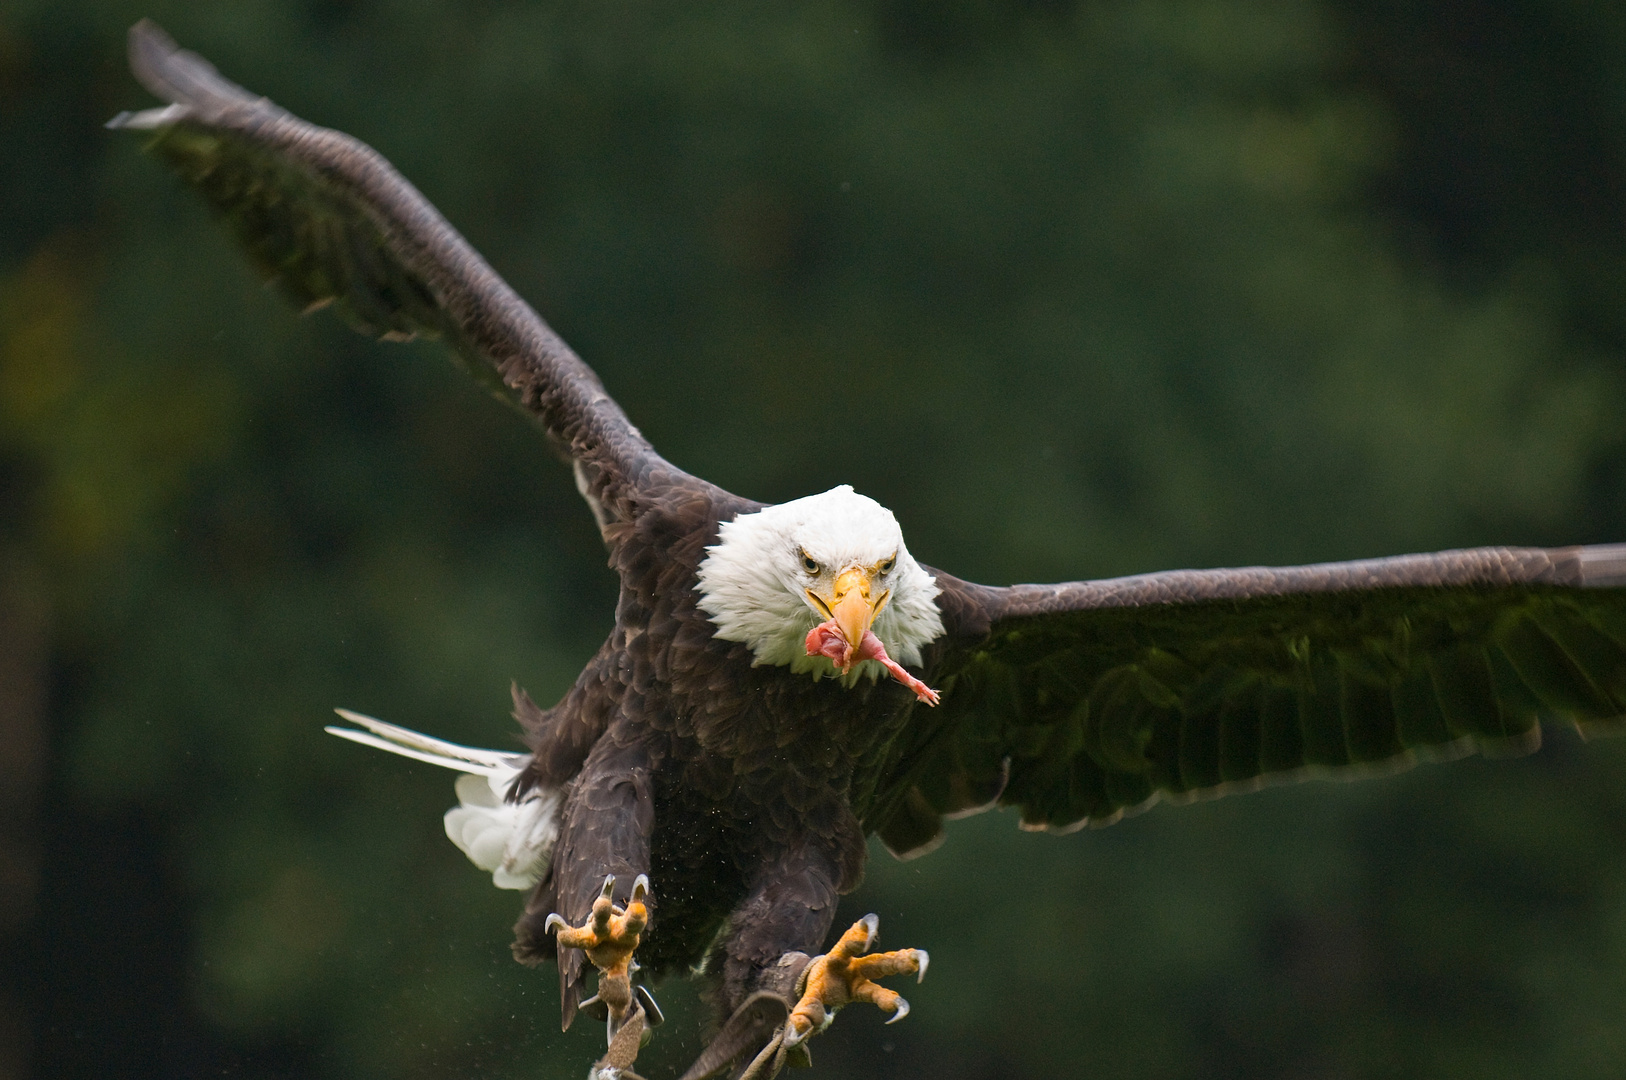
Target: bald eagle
{"points": [[784, 681]]}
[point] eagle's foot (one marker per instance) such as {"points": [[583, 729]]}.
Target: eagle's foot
{"points": [[609, 937], [847, 973]]}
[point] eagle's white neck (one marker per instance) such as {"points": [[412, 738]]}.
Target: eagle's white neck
{"points": [[752, 580]]}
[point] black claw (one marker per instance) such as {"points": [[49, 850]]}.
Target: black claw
{"points": [[652, 1011]]}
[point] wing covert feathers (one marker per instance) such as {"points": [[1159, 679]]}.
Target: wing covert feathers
{"points": [[328, 218], [1082, 702]]}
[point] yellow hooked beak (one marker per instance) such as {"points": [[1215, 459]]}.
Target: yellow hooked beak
{"points": [[852, 603]]}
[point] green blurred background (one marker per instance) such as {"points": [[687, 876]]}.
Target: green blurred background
{"points": [[1109, 286]]}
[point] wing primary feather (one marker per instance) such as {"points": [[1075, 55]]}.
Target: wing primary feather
{"points": [[1418, 719], [1281, 738], [1594, 652], [1321, 717], [1240, 736], [1369, 721], [1551, 673], [1199, 749]]}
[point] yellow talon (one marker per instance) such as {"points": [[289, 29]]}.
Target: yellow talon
{"points": [[609, 937], [845, 974]]}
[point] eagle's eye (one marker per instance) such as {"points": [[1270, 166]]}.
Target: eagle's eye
{"points": [[886, 567], [810, 564]]}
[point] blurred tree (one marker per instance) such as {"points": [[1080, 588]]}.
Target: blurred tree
{"points": [[1132, 284]]}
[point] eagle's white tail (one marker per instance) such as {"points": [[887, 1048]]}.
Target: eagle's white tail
{"points": [[512, 840]]}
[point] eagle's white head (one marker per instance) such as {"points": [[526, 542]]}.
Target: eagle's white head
{"points": [[837, 559]]}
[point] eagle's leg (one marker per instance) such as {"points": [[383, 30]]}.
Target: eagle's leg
{"points": [[609, 937], [846, 974], [789, 910], [775, 994], [597, 894], [759, 959]]}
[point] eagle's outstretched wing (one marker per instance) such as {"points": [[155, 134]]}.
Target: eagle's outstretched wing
{"points": [[330, 221], [1081, 702]]}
